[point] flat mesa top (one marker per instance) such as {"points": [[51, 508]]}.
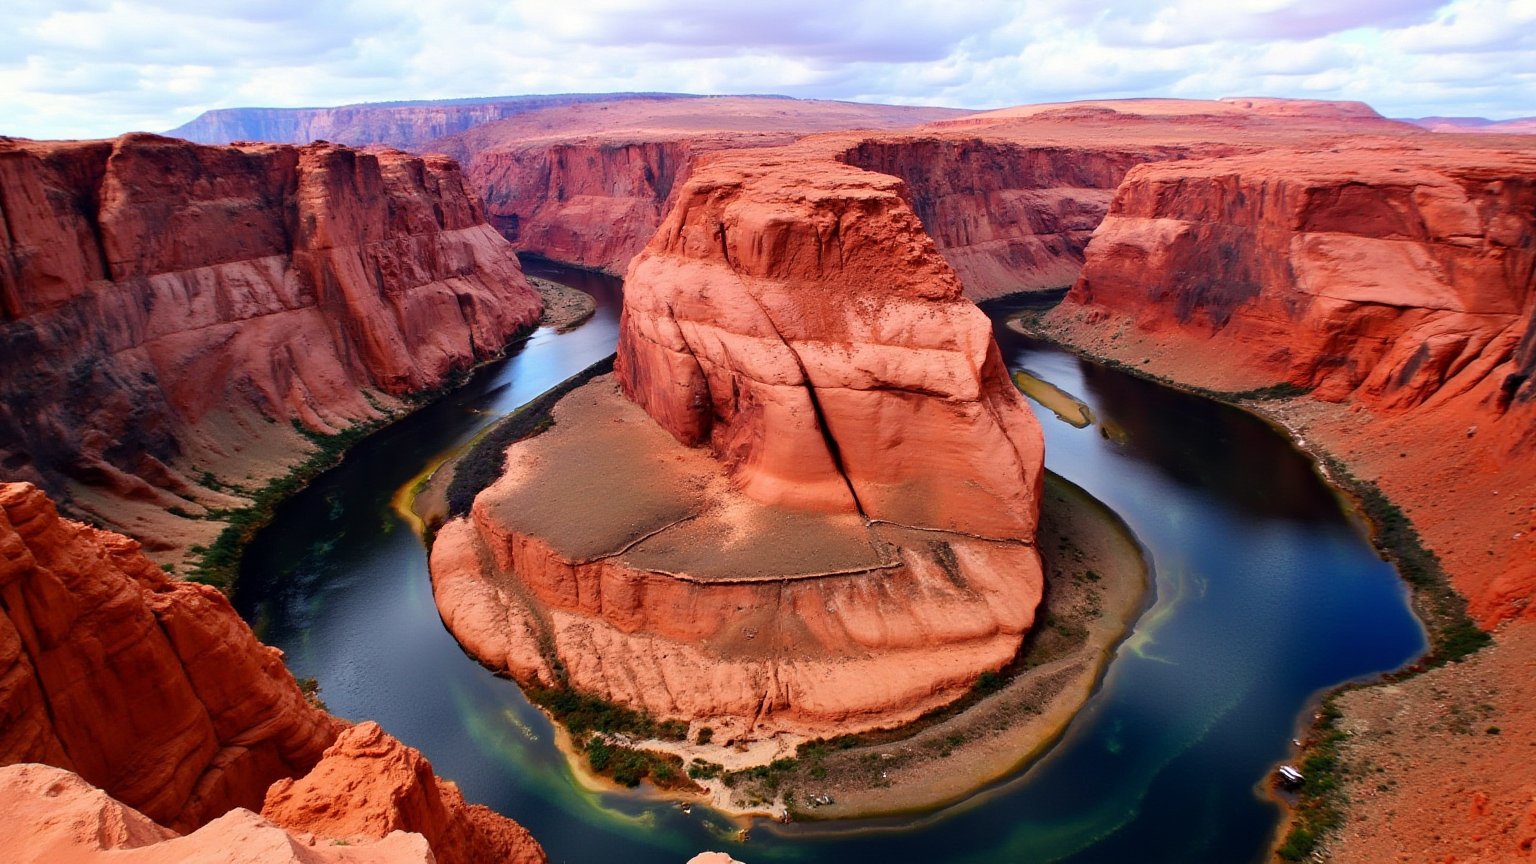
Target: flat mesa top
{"points": [[607, 481]]}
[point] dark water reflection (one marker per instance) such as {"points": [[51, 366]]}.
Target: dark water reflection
{"points": [[1265, 593]]}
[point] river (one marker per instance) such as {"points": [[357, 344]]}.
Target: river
{"points": [[1266, 592]]}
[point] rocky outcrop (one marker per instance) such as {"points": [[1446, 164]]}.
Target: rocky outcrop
{"points": [[150, 688], [796, 318], [369, 786], [407, 125], [52, 816], [1399, 284], [169, 312], [854, 545], [156, 691]]}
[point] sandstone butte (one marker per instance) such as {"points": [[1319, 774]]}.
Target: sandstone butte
{"points": [[855, 545], [170, 313], [155, 691]]}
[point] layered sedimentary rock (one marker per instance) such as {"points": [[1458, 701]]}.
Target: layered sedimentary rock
{"points": [[168, 312], [150, 688], [1008, 216], [407, 125], [845, 541], [795, 317], [52, 816], [589, 184], [370, 786], [157, 692], [1009, 196], [1400, 284]]}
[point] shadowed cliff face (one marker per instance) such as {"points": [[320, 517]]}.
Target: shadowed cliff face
{"points": [[157, 692], [1008, 217], [153, 689], [1397, 284], [594, 205], [168, 309]]}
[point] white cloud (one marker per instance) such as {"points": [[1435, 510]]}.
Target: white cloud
{"points": [[100, 67]]}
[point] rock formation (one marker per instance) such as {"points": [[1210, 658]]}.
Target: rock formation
{"points": [[1008, 216], [1009, 196], [51, 816], [854, 547], [1400, 283], [169, 313], [157, 692], [150, 688], [795, 317], [369, 785]]}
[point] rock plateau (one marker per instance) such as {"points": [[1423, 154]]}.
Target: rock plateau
{"points": [[1397, 287]]}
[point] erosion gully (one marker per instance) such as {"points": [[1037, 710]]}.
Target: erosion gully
{"points": [[1266, 592]]}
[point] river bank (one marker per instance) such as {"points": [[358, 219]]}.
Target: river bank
{"points": [[1340, 791]]}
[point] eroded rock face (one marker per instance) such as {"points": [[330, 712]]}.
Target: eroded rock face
{"points": [[168, 310], [1398, 283], [52, 816], [589, 184], [156, 691], [152, 689], [817, 515], [1007, 216], [369, 786], [795, 317]]}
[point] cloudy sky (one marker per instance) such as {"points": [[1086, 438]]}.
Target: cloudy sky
{"points": [[91, 68]]}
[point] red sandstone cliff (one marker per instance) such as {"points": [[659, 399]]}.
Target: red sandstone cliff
{"points": [[51, 816], [1008, 216], [1009, 196], [793, 315], [589, 184], [157, 692], [150, 688], [167, 309], [1399, 284]]}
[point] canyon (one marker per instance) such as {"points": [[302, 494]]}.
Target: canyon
{"points": [[1395, 288], [808, 493], [184, 320], [154, 692], [177, 322]]}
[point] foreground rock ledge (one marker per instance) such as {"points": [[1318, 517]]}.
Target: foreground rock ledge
{"points": [[854, 545], [155, 691]]}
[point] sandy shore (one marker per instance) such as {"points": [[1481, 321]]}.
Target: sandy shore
{"points": [[565, 308]]}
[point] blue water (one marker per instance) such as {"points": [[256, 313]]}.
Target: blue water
{"points": [[1266, 592]]}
